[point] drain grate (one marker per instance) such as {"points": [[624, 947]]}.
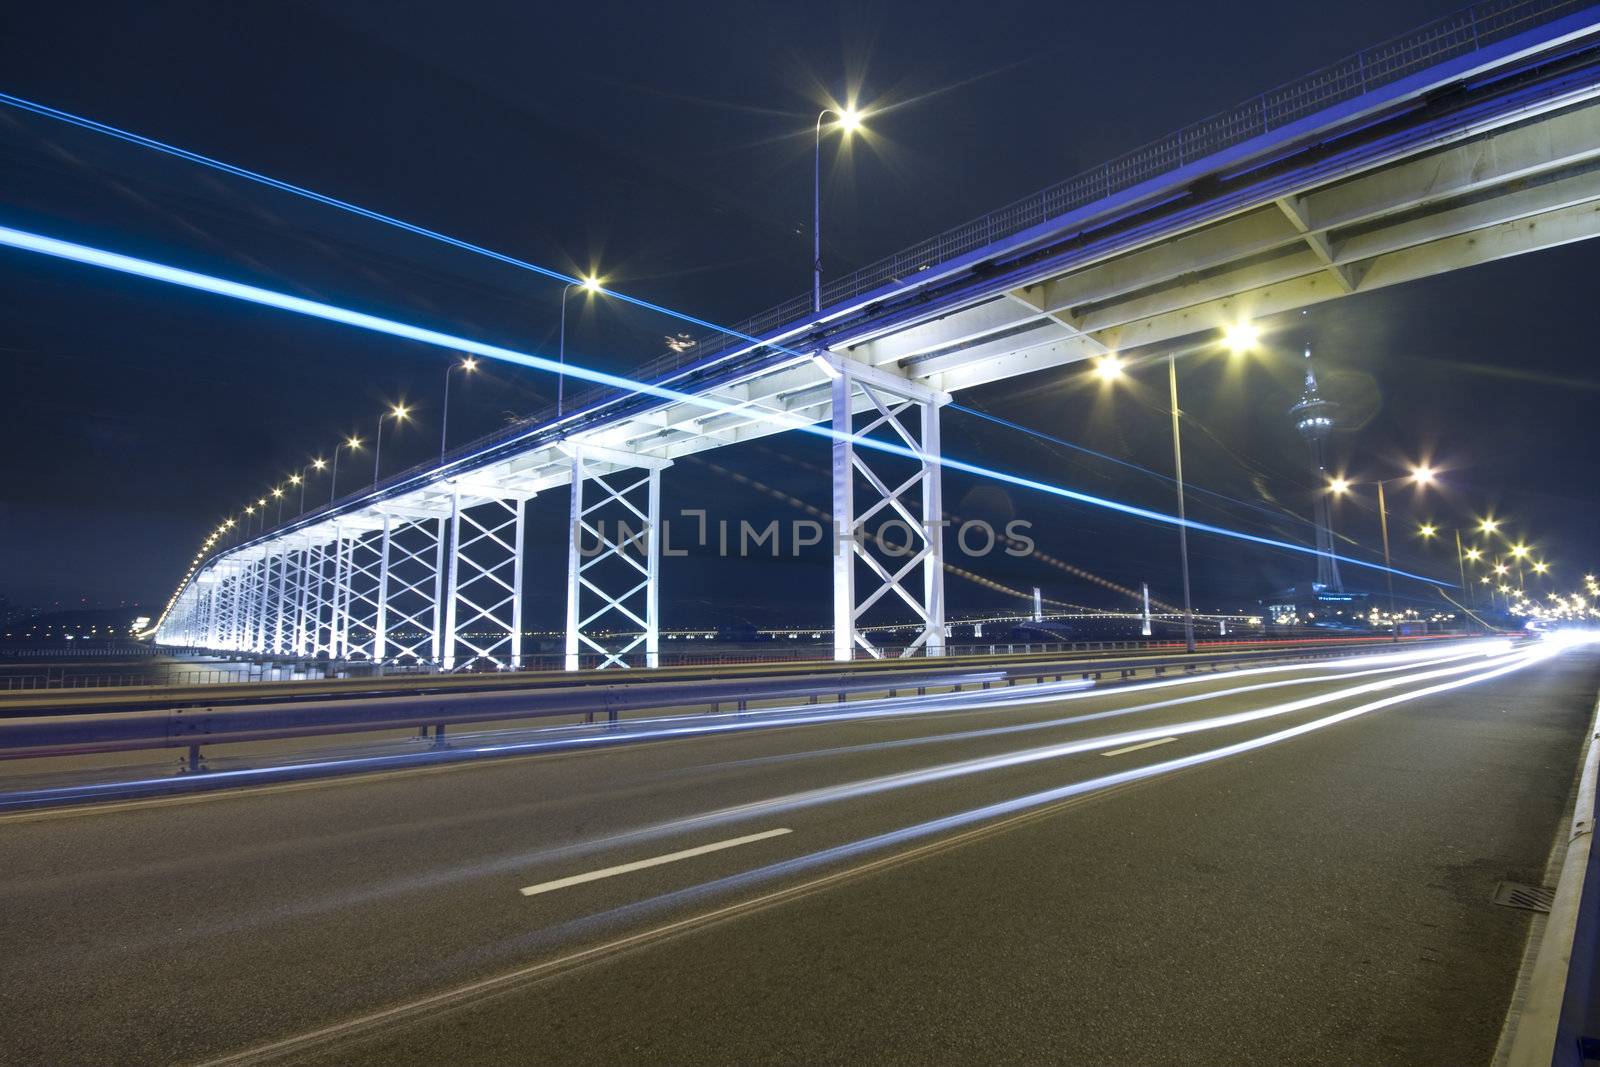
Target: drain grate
{"points": [[1527, 897]]}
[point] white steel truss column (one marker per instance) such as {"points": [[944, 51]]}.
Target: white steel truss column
{"points": [[263, 605], [322, 614], [618, 584], [409, 616], [280, 627], [363, 589], [483, 602], [213, 614], [884, 556], [303, 633]]}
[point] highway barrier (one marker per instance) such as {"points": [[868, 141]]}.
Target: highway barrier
{"points": [[74, 731]]}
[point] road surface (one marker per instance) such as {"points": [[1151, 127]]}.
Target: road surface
{"points": [[1280, 866]]}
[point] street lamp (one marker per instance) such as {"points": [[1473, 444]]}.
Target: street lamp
{"points": [[1110, 368], [301, 479], [848, 121], [1420, 475], [589, 283], [1241, 337], [398, 413], [352, 444], [277, 492], [467, 364]]}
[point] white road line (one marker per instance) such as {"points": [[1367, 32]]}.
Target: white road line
{"points": [[1135, 748], [655, 861]]}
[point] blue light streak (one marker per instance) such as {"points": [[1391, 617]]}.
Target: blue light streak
{"points": [[142, 141], [1064, 443], [97, 257]]}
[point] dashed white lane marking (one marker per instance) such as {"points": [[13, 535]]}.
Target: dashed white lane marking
{"points": [[654, 861], [1135, 748]]}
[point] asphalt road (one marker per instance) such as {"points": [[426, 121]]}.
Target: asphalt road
{"points": [[1253, 867]]}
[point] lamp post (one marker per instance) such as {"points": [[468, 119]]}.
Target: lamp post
{"points": [[589, 284], [467, 364], [333, 482], [849, 120], [1420, 475], [301, 479], [1183, 521], [277, 492], [1239, 338], [398, 413]]}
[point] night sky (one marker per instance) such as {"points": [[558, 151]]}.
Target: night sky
{"points": [[668, 147]]}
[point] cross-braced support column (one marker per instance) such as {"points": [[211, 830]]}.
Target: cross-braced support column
{"points": [[617, 584], [280, 602], [409, 614], [363, 596], [483, 601], [898, 530]]}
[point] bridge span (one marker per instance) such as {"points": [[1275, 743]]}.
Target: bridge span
{"points": [[1475, 138]]}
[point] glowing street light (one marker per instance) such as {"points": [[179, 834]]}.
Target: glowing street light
{"points": [[849, 121], [301, 479], [1109, 367], [589, 283], [398, 413], [1240, 337], [1421, 475], [352, 444], [466, 366], [1519, 550]]}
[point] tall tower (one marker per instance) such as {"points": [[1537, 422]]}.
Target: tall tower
{"points": [[1314, 419]]}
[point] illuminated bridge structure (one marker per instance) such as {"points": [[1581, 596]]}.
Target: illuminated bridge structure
{"points": [[1474, 138]]}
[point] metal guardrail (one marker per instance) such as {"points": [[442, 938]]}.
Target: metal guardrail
{"points": [[577, 695], [286, 669]]}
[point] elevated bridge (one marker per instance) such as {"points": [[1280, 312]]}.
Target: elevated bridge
{"points": [[1474, 138]]}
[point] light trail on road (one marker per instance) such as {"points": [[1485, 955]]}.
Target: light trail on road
{"points": [[522, 860], [1035, 800]]}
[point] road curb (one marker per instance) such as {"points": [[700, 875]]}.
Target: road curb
{"points": [[1560, 988]]}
